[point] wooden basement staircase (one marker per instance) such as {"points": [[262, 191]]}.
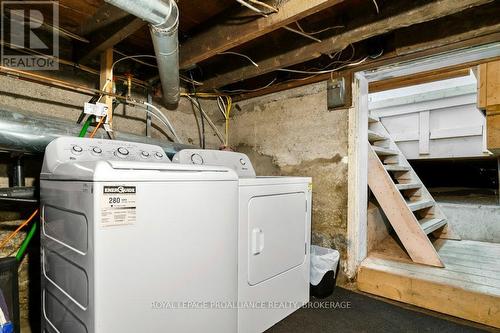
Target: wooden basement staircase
{"points": [[406, 202]]}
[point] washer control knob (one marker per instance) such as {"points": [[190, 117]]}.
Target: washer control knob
{"points": [[96, 150], [159, 155], [77, 149], [196, 159], [123, 151], [144, 154], [242, 161]]}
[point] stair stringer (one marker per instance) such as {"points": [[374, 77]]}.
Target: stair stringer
{"points": [[446, 231], [406, 225]]}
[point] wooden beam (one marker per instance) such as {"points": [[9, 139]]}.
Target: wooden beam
{"points": [[474, 22], [106, 82], [108, 37], [224, 35], [424, 13], [104, 16], [425, 77]]}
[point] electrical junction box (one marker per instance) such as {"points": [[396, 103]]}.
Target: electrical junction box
{"points": [[336, 96], [97, 109]]}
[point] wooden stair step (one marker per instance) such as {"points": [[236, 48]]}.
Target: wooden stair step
{"points": [[418, 205], [374, 136], [396, 167], [380, 151], [408, 186], [431, 224], [373, 119]]}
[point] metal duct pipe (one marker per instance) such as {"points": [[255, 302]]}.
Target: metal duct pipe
{"points": [[163, 17], [28, 133]]}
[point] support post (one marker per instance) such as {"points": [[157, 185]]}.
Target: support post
{"points": [[106, 81]]}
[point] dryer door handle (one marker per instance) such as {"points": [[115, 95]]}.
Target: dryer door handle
{"points": [[257, 241]]}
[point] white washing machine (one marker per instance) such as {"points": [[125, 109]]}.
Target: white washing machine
{"points": [[131, 242], [273, 240]]}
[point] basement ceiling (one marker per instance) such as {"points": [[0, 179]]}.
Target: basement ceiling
{"points": [[235, 50]]}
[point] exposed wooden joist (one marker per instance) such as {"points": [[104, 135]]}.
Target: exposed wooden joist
{"points": [[481, 21], [425, 13], [224, 36], [104, 16], [110, 36], [106, 81], [382, 61]]}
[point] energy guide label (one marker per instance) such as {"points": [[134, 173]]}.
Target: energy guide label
{"points": [[118, 205]]}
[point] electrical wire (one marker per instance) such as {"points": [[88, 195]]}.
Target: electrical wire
{"points": [[136, 59], [319, 31], [97, 127], [241, 55], [26, 242], [303, 34], [158, 115], [131, 57], [376, 6], [265, 5], [7, 239], [324, 71], [210, 122], [228, 114], [225, 109], [249, 6], [85, 127], [172, 129], [249, 90], [202, 142]]}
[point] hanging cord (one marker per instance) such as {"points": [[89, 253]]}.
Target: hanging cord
{"points": [[155, 112], [207, 118], [26, 242], [198, 125], [97, 127], [225, 108], [202, 142], [14, 233]]}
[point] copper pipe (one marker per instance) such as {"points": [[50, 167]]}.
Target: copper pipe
{"points": [[56, 82]]}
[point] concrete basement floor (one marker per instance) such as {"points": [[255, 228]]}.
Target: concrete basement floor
{"points": [[352, 311]]}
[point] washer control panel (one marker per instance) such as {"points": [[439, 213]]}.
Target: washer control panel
{"points": [[237, 161], [65, 149]]}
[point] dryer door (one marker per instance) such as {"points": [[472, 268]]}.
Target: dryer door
{"points": [[276, 234]]}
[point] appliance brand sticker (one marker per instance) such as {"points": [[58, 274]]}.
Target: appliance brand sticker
{"points": [[118, 205]]}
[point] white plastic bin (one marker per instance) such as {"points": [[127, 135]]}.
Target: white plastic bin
{"points": [[324, 268]]}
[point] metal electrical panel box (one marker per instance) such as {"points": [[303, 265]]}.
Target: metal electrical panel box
{"points": [[336, 93]]}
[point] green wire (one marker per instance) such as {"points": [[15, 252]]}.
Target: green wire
{"points": [[24, 245], [85, 127], [31, 233]]}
